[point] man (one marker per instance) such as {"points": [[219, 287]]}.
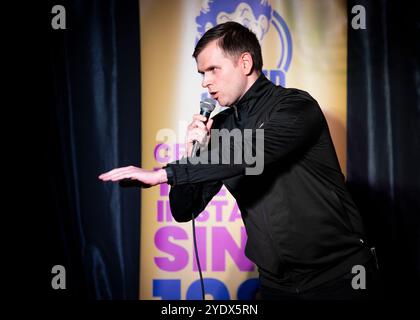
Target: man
{"points": [[304, 231]]}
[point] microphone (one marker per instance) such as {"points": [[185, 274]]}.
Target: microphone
{"points": [[206, 107]]}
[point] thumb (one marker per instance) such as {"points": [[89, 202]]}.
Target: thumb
{"points": [[209, 124]]}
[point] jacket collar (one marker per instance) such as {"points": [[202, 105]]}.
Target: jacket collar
{"points": [[248, 100]]}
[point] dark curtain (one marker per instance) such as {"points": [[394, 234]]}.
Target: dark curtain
{"points": [[94, 126], [384, 137]]}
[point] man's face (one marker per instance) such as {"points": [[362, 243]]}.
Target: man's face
{"points": [[223, 76]]}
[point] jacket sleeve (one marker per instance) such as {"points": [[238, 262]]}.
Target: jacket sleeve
{"points": [[293, 125], [191, 199], [188, 199]]}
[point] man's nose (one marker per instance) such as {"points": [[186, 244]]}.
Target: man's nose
{"points": [[206, 81]]}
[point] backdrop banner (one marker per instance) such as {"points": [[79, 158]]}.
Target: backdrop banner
{"points": [[304, 45]]}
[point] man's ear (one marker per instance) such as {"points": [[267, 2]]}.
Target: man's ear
{"points": [[246, 63]]}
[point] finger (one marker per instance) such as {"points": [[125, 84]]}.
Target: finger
{"points": [[193, 133], [106, 174], [209, 124], [198, 133], [199, 124], [122, 175], [193, 136], [199, 117], [112, 173], [195, 124]]}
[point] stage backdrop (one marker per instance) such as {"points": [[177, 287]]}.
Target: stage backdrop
{"points": [[304, 45]]}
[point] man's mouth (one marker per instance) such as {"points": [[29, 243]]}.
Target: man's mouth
{"points": [[213, 94]]}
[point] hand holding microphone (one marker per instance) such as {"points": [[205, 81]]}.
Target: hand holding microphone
{"points": [[198, 131]]}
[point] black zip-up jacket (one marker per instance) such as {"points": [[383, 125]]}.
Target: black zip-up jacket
{"points": [[303, 227]]}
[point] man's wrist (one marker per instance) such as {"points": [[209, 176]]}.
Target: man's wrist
{"points": [[162, 176]]}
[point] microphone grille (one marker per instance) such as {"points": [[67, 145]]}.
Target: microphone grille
{"points": [[208, 105]]}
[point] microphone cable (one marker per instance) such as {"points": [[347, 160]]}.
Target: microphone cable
{"points": [[197, 258], [206, 107]]}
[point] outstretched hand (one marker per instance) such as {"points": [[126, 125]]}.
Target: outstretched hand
{"points": [[147, 177]]}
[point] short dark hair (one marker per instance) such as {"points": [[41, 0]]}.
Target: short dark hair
{"points": [[234, 39]]}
